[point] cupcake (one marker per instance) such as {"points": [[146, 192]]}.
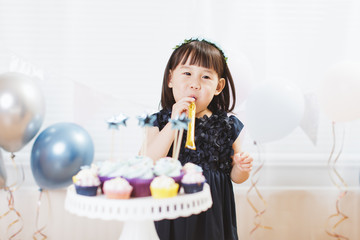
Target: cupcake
{"points": [[163, 187], [117, 188], [193, 182], [139, 173], [169, 167], [109, 170], [86, 181]]}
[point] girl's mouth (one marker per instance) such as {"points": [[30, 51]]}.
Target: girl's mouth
{"points": [[193, 97]]}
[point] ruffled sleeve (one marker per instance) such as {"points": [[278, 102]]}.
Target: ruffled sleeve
{"points": [[237, 126], [162, 118]]}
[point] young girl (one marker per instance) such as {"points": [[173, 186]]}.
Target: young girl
{"points": [[197, 72]]}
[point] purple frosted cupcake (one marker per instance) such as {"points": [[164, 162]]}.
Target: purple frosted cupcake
{"points": [[139, 174], [86, 182], [193, 182]]}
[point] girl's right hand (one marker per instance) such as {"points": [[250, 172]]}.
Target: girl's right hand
{"points": [[181, 106]]}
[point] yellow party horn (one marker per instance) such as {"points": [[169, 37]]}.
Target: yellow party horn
{"points": [[190, 138]]}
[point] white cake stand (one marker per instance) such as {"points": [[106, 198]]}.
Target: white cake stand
{"points": [[138, 213]]}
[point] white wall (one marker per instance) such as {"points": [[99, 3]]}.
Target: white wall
{"points": [[99, 58]]}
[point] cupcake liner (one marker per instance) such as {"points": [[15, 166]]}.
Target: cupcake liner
{"points": [[118, 195], [164, 192], [177, 179], [141, 187], [193, 187], [86, 191]]}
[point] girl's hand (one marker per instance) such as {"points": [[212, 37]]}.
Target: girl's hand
{"points": [[181, 106], [243, 161]]}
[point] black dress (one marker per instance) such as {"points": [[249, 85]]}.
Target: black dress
{"points": [[214, 137]]}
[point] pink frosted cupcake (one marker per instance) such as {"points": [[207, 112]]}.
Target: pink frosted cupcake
{"points": [[117, 188], [193, 182], [86, 182], [110, 169]]}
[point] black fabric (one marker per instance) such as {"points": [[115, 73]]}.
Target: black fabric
{"points": [[214, 137]]}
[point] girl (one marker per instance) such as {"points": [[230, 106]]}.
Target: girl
{"points": [[197, 72]]}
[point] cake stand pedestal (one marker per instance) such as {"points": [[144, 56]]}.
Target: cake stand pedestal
{"points": [[138, 214]]}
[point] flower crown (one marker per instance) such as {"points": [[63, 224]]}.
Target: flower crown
{"points": [[186, 41]]}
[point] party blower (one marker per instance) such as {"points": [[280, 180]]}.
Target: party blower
{"points": [[190, 138]]}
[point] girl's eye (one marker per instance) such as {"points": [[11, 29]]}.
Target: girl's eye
{"points": [[206, 77], [187, 73]]}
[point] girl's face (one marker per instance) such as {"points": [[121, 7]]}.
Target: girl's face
{"points": [[196, 82]]}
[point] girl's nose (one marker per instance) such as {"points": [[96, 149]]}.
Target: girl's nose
{"points": [[195, 84]]}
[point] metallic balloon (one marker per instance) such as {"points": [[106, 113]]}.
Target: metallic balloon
{"points": [[58, 153], [22, 110], [2, 172]]}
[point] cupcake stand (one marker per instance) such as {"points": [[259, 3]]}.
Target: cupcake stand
{"points": [[138, 214]]}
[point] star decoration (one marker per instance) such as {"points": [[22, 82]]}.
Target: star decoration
{"points": [[180, 122], [146, 120], [116, 121]]}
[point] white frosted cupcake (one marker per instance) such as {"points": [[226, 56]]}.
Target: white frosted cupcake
{"points": [[169, 167], [86, 181], [193, 182], [163, 187], [117, 188]]}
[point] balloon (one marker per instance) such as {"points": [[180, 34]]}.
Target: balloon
{"points": [[243, 75], [58, 153], [339, 92], [22, 110], [2, 172], [273, 110]]}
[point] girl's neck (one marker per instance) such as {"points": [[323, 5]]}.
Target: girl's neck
{"points": [[201, 114]]}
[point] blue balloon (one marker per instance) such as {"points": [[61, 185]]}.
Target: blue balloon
{"points": [[58, 153]]}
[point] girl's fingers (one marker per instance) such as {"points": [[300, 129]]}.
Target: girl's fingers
{"points": [[246, 165], [181, 106]]}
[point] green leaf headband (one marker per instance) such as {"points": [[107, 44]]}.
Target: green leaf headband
{"points": [[186, 41]]}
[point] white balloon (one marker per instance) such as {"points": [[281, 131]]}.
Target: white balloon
{"points": [[274, 110], [22, 109], [339, 92], [243, 75]]}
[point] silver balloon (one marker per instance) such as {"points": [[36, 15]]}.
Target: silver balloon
{"points": [[2, 172], [22, 110]]}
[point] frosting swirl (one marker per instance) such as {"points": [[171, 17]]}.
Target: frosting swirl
{"points": [[168, 166]]}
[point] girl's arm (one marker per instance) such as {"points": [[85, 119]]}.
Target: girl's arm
{"points": [[159, 142], [242, 163]]}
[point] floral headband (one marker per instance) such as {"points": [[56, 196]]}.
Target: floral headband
{"points": [[186, 41]]}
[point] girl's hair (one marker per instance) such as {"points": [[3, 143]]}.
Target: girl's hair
{"points": [[204, 54]]}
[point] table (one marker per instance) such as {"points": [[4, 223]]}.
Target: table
{"points": [[138, 213]]}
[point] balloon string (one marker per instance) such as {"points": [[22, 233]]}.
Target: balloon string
{"points": [[39, 230], [342, 188], [18, 216], [20, 176], [258, 213]]}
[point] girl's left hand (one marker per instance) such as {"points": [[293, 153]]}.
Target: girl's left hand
{"points": [[243, 161]]}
